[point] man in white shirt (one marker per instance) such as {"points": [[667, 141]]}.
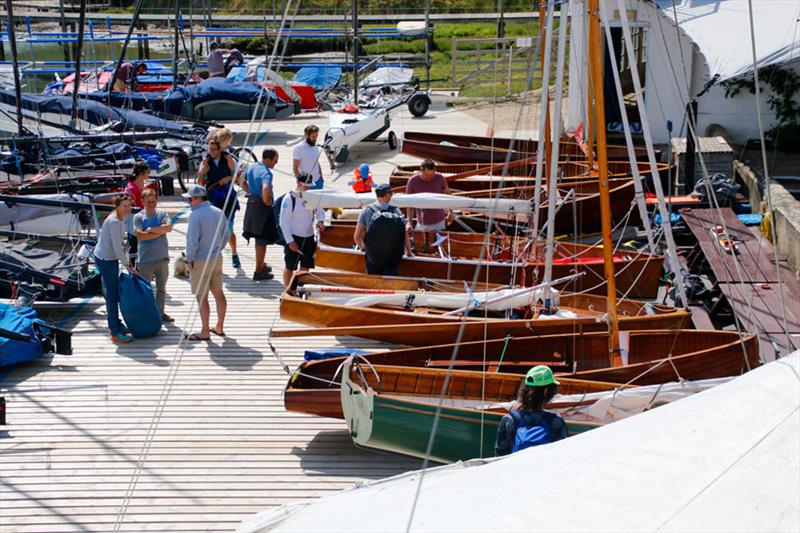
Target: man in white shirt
{"points": [[306, 156], [296, 223]]}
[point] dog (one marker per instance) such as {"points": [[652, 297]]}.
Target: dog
{"points": [[181, 269]]}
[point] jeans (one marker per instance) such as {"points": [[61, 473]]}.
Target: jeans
{"points": [[109, 271], [158, 269], [386, 271]]}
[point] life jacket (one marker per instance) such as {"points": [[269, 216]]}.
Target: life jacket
{"points": [[361, 184]]}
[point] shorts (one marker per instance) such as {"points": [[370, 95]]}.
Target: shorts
{"points": [[212, 280], [230, 226], [439, 226], [308, 248]]}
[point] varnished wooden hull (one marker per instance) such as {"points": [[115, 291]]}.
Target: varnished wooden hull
{"points": [[490, 150], [695, 355], [437, 329], [638, 276]]}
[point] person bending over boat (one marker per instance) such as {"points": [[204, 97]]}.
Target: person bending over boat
{"points": [[381, 233], [216, 174], [151, 227], [127, 74], [296, 223], [216, 60], [205, 239], [259, 218], [528, 424], [306, 156], [428, 180], [109, 253]]}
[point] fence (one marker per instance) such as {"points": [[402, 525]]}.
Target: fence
{"points": [[505, 60]]}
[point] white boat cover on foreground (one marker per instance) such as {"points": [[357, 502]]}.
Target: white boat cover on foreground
{"points": [[328, 198], [727, 459]]}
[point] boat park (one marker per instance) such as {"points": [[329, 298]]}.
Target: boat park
{"points": [[635, 229]]}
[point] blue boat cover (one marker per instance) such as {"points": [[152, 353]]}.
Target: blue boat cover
{"points": [[318, 355], [749, 219], [321, 78], [245, 92], [19, 320], [153, 157], [137, 303], [96, 112]]}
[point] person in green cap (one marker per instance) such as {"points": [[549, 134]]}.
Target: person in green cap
{"points": [[528, 424]]}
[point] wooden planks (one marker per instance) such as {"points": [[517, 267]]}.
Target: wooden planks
{"points": [[755, 261], [225, 447]]}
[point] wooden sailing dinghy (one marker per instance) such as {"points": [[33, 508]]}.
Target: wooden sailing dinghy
{"points": [[447, 148], [393, 408], [459, 256], [652, 357], [417, 325]]}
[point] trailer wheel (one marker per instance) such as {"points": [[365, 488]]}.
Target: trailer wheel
{"points": [[392, 140], [419, 104]]}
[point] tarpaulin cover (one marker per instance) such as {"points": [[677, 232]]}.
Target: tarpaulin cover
{"points": [[721, 30], [19, 320], [153, 157], [163, 102], [96, 112], [726, 459], [317, 355], [137, 303], [17, 213], [244, 92], [320, 78]]}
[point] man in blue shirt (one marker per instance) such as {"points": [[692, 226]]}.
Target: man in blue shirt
{"points": [[151, 227], [259, 220]]}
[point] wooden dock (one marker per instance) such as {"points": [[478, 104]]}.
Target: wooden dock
{"points": [[758, 292], [225, 447]]}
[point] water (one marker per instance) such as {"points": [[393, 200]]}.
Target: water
{"points": [[38, 54]]}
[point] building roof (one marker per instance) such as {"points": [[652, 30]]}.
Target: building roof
{"points": [[721, 29]]}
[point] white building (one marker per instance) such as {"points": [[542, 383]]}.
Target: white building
{"points": [[677, 61]]}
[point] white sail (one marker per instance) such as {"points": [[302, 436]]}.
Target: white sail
{"points": [[326, 199]]}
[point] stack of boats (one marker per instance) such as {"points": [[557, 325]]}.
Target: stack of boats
{"points": [[482, 302]]}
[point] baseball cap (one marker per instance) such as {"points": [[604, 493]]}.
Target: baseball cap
{"points": [[540, 376], [214, 45], [383, 188], [195, 191]]}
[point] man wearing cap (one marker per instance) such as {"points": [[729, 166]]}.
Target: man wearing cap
{"points": [[206, 235], [306, 155], [528, 424], [381, 233], [296, 223]]}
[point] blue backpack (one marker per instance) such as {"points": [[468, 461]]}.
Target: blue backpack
{"points": [[137, 303], [528, 436], [276, 212]]}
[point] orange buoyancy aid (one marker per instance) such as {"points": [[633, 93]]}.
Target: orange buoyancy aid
{"points": [[362, 184]]}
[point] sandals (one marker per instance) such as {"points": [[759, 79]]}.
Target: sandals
{"points": [[217, 333], [197, 337]]}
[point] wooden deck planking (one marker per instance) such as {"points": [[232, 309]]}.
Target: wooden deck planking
{"points": [[225, 447]]}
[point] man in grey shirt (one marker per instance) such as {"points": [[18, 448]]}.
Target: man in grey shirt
{"points": [[151, 227], [205, 237], [216, 60]]}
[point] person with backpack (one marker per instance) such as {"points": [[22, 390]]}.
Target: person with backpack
{"points": [[528, 424], [381, 233], [296, 223]]}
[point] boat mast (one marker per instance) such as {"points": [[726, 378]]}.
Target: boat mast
{"points": [[136, 10], [544, 110], [175, 57], [596, 91], [78, 57], [591, 33], [14, 65], [545, 91], [355, 52]]}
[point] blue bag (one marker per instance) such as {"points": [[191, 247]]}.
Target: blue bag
{"points": [[529, 436], [137, 303], [20, 321]]}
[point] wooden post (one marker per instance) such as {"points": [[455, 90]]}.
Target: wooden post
{"points": [[15, 66], [596, 69], [453, 53], [428, 43], [146, 44], [63, 25], [139, 47]]}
